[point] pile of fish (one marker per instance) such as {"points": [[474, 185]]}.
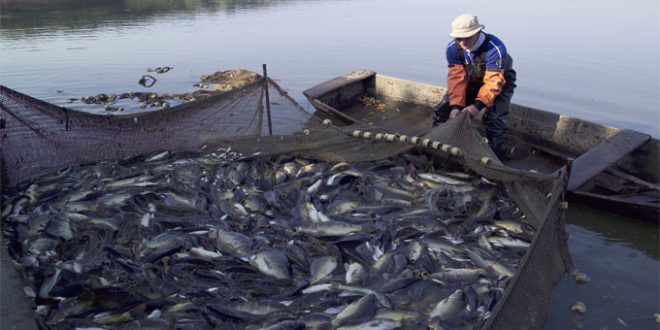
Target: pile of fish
{"points": [[217, 240]]}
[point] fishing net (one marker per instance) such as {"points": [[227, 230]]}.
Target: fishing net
{"points": [[38, 138]]}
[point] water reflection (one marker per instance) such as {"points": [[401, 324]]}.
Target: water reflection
{"points": [[23, 18], [618, 231]]}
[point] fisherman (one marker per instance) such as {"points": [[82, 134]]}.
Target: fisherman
{"points": [[480, 77]]}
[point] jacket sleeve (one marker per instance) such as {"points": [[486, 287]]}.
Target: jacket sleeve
{"points": [[493, 83], [493, 80], [457, 85], [456, 77]]}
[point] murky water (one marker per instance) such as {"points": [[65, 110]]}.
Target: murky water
{"points": [[601, 65], [620, 256]]}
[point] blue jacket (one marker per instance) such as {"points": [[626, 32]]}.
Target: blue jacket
{"points": [[483, 69]]}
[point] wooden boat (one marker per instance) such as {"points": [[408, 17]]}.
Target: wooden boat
{"points": [[612, 169]]}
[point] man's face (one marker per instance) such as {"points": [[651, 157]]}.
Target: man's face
{"points": [[468, 42]]}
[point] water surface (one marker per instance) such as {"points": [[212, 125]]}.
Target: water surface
{"points": [[600, 65], [621, 256]]}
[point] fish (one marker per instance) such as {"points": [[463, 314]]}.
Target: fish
{"points": [[442, 245], [70, 307], [358, 311], [257, 308], [341, 207], [47, 285], [340, 177], [329, 228], [137, 181], [503, 271], [459, 274], [313, 168], [449, 306], [271, 263], [508, 242], [322, 267], [309, 212], [149, 324], [376, 324], [107, 319], [203, 253], [395, 315], [312, 189], [231, 242], [441, 179], [287, 325], [59, 228], [355, 272], [515, 227], [158, 157]]}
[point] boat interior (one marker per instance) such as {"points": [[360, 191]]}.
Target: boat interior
{"points": [[608, 165]]}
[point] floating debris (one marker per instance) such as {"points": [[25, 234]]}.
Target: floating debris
{"points": [[578, 307], [147, 80], [373, 102], [160, 70], [580, 277], [211, 240], [219, 82]]}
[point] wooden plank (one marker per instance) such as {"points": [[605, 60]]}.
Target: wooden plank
{"points": [[602, 156], [633, 179], [551, 152], [334, 112], [337, 83], [648, 212]]}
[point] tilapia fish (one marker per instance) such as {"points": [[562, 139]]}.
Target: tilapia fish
{"points": [[214, 240]]}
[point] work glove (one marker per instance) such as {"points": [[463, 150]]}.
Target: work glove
{"points": [[454, 113], [472, 110], [440, 112]]}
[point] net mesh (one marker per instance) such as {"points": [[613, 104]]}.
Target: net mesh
{"points": [[38, 137]]}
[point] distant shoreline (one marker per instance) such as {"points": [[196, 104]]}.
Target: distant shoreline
{"points": [[13, 3]]}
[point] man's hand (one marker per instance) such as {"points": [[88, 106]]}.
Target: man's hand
{"points": [[472, 110], [453, 113]]}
